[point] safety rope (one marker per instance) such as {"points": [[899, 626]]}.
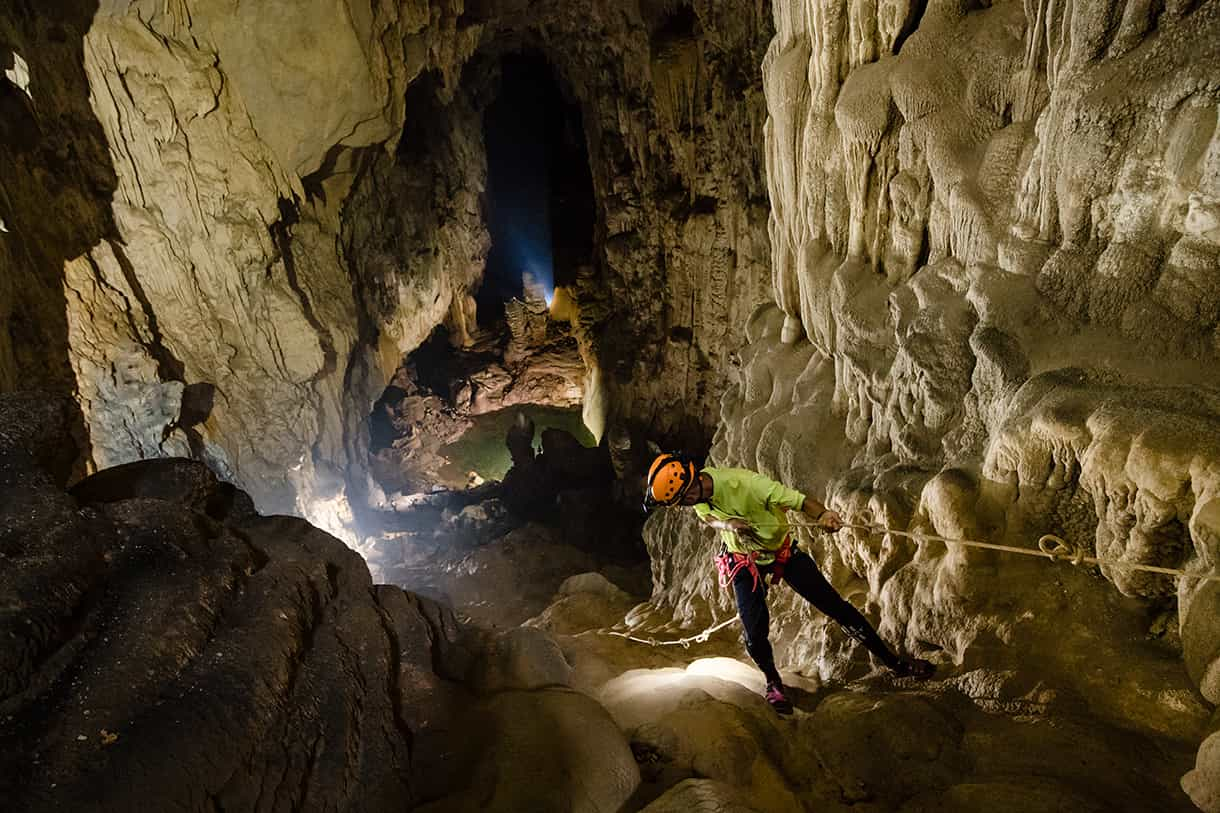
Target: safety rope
{"points": [[1050, 546], [685, 643]]}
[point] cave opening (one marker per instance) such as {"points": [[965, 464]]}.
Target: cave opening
{"points": [[539, 202], [443, 420]]}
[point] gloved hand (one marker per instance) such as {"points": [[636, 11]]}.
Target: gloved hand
{"points": [[913, 667]]}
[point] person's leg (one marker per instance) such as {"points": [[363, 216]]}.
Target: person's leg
{"points": [[807, 580], [756, 621]]}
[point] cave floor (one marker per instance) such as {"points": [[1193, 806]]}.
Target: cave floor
{"points": [[701, 733]]}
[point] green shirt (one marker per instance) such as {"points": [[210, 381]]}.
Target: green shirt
{"points": [[744, 494]]}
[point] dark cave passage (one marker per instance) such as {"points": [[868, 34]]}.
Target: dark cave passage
{"points": [[539, 203], [442, 421]]}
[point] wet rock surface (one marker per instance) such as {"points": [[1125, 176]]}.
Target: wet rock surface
{"points": [[701, 732], [171, 648], [434, 399], [970, 339]]}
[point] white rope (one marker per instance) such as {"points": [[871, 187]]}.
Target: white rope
{"points": [[685, 643], [1052, 547]]}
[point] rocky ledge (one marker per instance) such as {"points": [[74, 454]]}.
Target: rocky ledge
{"points": [[167, 648]]}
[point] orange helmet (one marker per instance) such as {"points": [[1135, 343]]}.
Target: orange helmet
{"points": [[668, 479]]}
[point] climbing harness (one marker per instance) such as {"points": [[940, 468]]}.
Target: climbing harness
{"points": [[781, 558], [1050, 546], [729, 564]]}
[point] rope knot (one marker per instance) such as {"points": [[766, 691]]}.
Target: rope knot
{"points": [[1058, 549]]}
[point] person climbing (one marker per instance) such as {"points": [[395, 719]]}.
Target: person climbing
{"points": [[750, 511]]}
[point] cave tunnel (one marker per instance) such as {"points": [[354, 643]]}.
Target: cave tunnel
{"points": [[539, 202], [519, 362]]}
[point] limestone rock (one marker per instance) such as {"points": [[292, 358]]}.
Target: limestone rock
{"points": [[958, 235], [554, 750], [1202, 781], [701, 794], [522, 658], [1029, 793], [886, 748], [58, 182], [594, 583], [691, 724], [179, 481], [199, 647], [231, 223], [248, 661]]}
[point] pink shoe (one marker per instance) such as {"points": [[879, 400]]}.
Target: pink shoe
{"points": [[778, 700]]}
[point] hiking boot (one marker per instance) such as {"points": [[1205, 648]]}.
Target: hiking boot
{"points": [[778, 700]]}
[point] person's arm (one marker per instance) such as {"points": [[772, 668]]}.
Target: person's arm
{"points": [[822, 516], [789, 499], [734, 524]]}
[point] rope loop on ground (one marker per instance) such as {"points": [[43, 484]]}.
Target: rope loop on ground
{"points": [[698, 638], [1058, 549]]}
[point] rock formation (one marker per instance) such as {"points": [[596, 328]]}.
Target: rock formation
{"points": [[994, 237], [250, 255], [169, 648], [434, 398], [986, 237], [499, 552]]}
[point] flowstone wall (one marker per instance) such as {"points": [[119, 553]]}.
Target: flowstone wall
{"points": [[996, 257]]}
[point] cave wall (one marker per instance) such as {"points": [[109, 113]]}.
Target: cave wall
{"points": [[252, 229], [57, 181], [233, 153], [680, 185], [995, 255]]}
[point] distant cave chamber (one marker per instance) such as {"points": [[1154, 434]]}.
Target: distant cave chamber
{"points": [[539, 204], [442, 421]]}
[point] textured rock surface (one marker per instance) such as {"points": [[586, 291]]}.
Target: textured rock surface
{"points": [[250, 255], [994, 246], [434, 396], [993, 243], [168, 648], [701, 795], [1015, 633], [704, 734], [166, 645], [58, 179]]}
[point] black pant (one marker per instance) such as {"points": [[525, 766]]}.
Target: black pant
{"points": [[803, 575]]}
